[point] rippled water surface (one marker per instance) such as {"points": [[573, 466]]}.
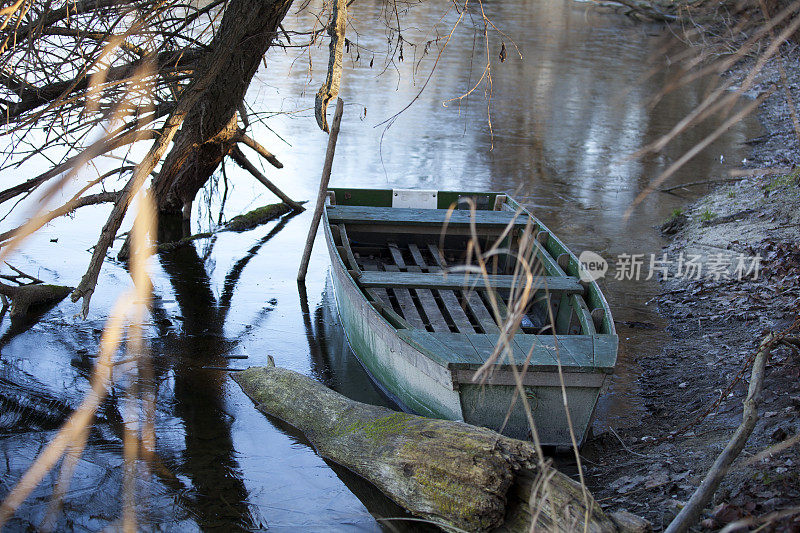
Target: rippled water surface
{"points": [[563, 119]]}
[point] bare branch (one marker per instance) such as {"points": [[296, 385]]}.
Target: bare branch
{"points": [[702, 496], [243, 162], [101, 147], [32, 98], [263, 152], [69, 207]]}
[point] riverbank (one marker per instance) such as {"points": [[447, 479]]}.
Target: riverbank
{"points": [[693, 389]]}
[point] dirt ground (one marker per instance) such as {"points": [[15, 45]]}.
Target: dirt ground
{"points": [[693, 389]]}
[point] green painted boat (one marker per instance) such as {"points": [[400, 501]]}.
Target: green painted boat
{"points": [[499, 347]]}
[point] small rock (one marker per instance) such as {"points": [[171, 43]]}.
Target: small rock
{"points": [[726, 513], [708, 523], [771, 504], [639, 325], [626, 521], [656, 480], [779, 435]]}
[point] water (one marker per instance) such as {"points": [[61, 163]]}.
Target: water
{"points": [[563, 119]]}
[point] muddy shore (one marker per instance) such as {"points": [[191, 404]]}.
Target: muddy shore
{"points": [[693, 389]]}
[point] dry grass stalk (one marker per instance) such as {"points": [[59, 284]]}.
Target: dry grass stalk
{"points": [[520, 298], [125, 320]]}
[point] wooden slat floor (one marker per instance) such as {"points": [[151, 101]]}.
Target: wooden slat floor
{"points": [[460, 325], [435, 310]]}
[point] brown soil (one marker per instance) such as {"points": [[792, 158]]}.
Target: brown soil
{"points": [[693, 389]]}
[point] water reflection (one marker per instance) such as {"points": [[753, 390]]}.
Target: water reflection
{"points": [[334, 364], [218, 496]]}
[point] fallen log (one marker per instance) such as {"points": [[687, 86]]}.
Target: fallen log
{"points": [[28, 298], [458, 476]]}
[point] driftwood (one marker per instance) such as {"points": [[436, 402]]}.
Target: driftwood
{"points": [[458, 476], [26, 298], [323, 190], [246, 221], [691, 512]]}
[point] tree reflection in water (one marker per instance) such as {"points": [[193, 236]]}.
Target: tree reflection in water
{"points": [[219, 498]]}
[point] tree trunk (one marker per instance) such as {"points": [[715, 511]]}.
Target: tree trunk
{"points": [[457, 475], [209, 130]]}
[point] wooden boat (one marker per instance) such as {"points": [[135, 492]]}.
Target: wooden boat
{"points": [[422, 324]]}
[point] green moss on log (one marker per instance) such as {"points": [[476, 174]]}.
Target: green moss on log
{"points": [[380, 428], [26, 299], [239, 223], [256, 217]]}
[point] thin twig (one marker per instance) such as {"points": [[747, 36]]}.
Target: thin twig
{"points": [[703, 182], [245, 163]]}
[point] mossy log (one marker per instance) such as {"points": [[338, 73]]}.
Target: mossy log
{"points": [[456, 475], [258, 216], [26, 298]]}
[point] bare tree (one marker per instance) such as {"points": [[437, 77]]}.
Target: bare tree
{"points": [[138, 69]]}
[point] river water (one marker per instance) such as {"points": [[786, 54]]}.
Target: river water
{"points": [[563, 119]]}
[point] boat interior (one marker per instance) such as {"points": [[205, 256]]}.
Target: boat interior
{"points": [[420, 268]]}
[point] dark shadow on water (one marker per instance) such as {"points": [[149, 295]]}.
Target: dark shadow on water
{"points": [[219, 499], [22, 324], [332, 361]]}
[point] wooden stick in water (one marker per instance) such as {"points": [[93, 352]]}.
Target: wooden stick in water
{"points": [[323, 189]]}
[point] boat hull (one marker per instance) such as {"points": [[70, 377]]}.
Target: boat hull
{"points": [[416, 382], [423, 386]]}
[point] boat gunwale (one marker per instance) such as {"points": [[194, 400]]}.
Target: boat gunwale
{"points": [[606, 368]]}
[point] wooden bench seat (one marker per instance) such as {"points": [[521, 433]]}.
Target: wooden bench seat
{"points": [[456, 350], [458, 281], [405, 216]]}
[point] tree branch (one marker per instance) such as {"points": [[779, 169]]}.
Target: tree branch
{"points": [[702, 496], [189, 99], [30, 99], [263, 152], [99, 148], [71, 9], [69, 207], [243, 162]]}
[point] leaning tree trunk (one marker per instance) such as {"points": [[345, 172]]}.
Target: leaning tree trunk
{"points": [[210, 130]]}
